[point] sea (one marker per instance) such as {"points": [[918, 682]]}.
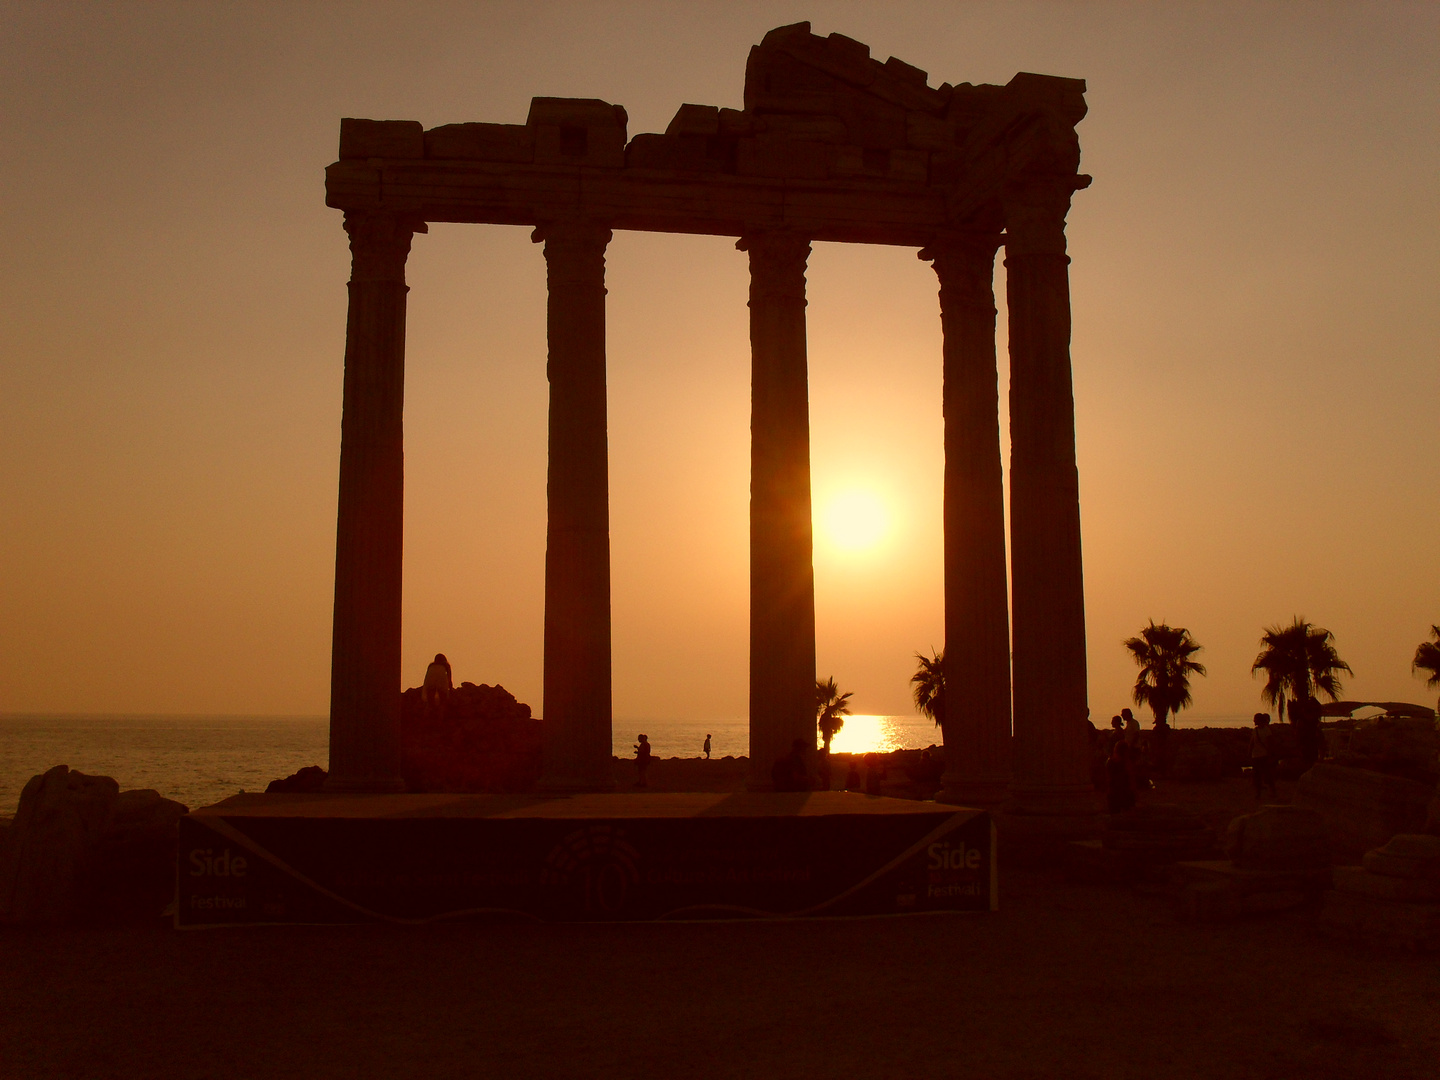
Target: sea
{"points": [[199, 760]]}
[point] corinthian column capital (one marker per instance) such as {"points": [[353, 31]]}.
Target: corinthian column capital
{"points": [[777, 264], [574, 250], [964, 261], [380, 243], [1035, 210]]}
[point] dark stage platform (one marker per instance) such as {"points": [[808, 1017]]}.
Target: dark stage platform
{"points": [[415, 858]]}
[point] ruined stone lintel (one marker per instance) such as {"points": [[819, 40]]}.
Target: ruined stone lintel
{"points": [[365, 655], [1048, 613], [782, 579], [577, 675], [863, 211], [977, 637]]}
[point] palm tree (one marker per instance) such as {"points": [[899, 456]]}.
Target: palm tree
{"points": [[1163, 653], [832, 707], [928, 685], [1427, 659], [1298, 660]]}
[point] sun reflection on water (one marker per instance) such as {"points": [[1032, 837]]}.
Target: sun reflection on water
{"points": [[865, 733]]}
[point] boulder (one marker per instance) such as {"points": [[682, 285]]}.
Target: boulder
{"points": [[57, 828], [1363, 808], [131, 872], [309, 779], [1279, 838], [1408, 855], [1158, 832], [481, 739], [80, 847], [1354, 879], [1395, 745]]}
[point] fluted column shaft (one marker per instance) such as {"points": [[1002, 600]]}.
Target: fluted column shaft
{"points": [[782, 577], [1052, 773], [577, 551], [365, 654], [976, 724]]}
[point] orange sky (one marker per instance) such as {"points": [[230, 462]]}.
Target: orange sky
{"points": [[1254, 283]]}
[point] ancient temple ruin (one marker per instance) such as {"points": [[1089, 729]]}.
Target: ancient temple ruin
{"points": [[831, 145]]}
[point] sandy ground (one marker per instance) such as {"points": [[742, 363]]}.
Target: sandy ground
{"points": [[1065, 981]]}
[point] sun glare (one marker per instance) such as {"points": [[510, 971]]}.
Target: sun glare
{"points": [[855, 520]]}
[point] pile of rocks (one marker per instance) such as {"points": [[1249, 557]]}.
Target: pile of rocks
{"points": [[1279, 857], [1393, 899], [80, 848], [481, 739]]}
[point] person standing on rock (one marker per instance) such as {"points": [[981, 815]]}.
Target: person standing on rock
{"points": [[1262, 760], [707, 746], [642, 760], [438, 683]]}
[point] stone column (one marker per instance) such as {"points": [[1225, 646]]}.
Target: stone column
{"points": [[782, 576], [577, 539], [365, 655], [1052, 774], [977, 616]]}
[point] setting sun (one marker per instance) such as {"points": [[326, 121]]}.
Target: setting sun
{"points": [[855, 520]]}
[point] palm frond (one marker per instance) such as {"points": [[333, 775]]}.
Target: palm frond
{"points": [[928, 685]]}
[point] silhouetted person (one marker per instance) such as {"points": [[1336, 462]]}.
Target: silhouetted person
{"points": [[642, 760], [707, 747], [874, 770], [852, 776], [435, 691], [823, 781], [1132, 729], [790, 772], [1262, 757], [1119, 788]]}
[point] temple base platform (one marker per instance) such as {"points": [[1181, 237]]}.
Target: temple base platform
{"points": [[330, 858]]}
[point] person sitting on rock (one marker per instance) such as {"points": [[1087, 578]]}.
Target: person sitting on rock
{"points": [[438, 684]]}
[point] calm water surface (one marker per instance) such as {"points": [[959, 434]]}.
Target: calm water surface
{"points": [[202, 759]]}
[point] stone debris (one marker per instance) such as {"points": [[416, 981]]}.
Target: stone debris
{"points": [[1279, 838], [1279, 857], [1393, 899], [1140, 844], [1363, 808], [79, 847]]}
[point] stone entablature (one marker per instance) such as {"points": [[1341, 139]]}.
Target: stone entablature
{"points": [[831, 143]]}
